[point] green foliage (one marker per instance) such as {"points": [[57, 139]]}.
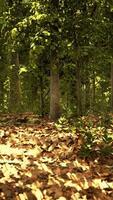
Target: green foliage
{"points": [[97, 139], [63, 124], [93, 137], [77, 33]]}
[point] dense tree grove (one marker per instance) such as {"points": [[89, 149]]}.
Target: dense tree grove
{"points": [[56, 57]]}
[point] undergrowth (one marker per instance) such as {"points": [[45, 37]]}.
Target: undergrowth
{"points": [[94, 134]]}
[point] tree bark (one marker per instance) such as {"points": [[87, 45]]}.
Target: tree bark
{"points": [[78, 90], [1, 95], [42, 105], [54, 92], [112, 87], [15, 94], [87, 95], [93, 88]]}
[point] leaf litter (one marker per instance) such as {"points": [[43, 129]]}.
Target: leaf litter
{"points": [[39, 161]]}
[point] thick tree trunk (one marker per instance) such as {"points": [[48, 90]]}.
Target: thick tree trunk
{"points": [[54, 93], [112, 87], [15, 94]]}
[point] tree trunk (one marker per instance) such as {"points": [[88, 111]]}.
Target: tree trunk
{"points": [[54, 93], [1, 95], [15, 94], [83, 99], [42, 106], [87, 95], [78, 90], [112, 87], [93, 87]]}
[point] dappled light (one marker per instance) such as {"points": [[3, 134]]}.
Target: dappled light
{"points": [[40, 162], [56, 100]]}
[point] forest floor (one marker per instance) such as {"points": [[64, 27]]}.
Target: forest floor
{"points": [[40, 161]]}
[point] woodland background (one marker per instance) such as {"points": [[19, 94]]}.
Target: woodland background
{"points": [[56, 100], [56, 57]]}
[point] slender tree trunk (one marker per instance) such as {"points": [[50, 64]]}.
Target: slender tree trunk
{"points": [[1, 95], [54, 92], [87, 95], [67, 97], [83, 99], [41, 97], [112, 87], [93, 93], [78, 90], [15, 94]]}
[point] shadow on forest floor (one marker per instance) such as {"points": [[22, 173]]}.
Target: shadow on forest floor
{"points": [[40, 162]]}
